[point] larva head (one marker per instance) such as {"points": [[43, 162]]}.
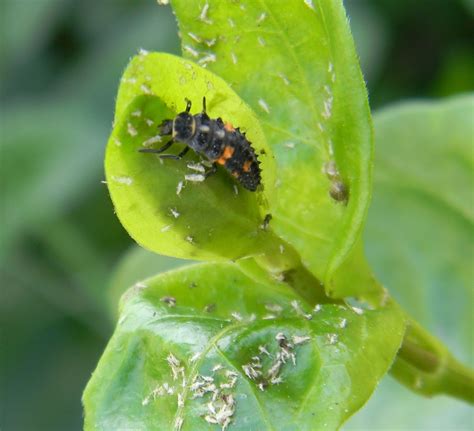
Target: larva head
{"points": [[184, 127]]}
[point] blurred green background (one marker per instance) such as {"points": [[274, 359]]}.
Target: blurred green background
{"points": [[61, 61]]}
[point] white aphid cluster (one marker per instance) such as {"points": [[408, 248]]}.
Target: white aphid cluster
{"points": [[177, 371], [207, 58], [338, 189], [264, 105], [158, 391], [262, 17], [123, 180], [203, 57], [196, 167], [270, 374], [309, 3], [176, 368], [150, 141], [331, 170], [327, 104], [129, 80], [203, 15], [218, 390], [170, 301], [274, 311], [283, 77], [179, 187], [297, 307], [331, 71], [237, 316], [358, 310], [332, 338], [195, 178], [191, 50], [174, 212], [146, 89], [131, 130]]}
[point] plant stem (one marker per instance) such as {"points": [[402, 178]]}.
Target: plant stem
{"points": [[421, 358], [426, 366], [458, 381], [282, 260]]}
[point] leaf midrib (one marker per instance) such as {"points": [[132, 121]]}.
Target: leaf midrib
{"points": [[193, 370]]}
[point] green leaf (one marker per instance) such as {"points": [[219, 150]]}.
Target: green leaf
{"points": [[296, 66], [161, 210], [419, 235], [223, 318]]}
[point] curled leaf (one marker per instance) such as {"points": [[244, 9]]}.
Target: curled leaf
{"points": [[169, 206]]}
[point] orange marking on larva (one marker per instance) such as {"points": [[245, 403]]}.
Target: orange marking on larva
{"points": [[229, 127], [246, 166], [227, 154]]}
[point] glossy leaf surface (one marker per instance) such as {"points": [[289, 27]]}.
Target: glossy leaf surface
{"points": [[211, 326]]}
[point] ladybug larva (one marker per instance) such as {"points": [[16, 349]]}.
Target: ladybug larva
{"points": [[219, 142]]}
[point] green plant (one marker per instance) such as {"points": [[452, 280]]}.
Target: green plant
{"points": [[284, 326]]}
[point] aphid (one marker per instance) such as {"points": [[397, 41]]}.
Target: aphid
{"points": [[338, 191], [219, 142], [266, 221]]}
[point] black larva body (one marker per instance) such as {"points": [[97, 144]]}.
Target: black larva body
{"points": [[217, 141]]}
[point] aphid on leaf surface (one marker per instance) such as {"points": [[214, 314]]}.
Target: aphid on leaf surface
{"points": [[217, 141]]}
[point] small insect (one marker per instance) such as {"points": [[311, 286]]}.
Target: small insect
{"points": [[266, 221], [219, 142]]}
